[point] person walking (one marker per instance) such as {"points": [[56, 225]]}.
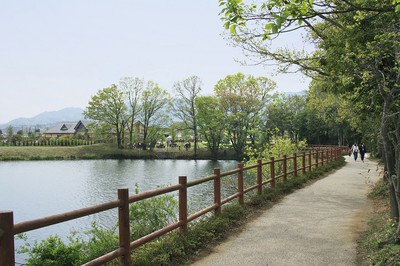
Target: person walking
{"points": [[363, 150], [354, 148]]}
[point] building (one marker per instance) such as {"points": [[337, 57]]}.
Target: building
{"points": [[66, 130]]}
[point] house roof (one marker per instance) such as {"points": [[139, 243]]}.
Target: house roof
{"points": [[65, 128]]}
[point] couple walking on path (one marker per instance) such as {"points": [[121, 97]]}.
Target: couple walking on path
{"points": [[316, 225], [355, 150]]}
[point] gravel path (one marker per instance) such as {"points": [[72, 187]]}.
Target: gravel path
{"points": [[316, 225]]}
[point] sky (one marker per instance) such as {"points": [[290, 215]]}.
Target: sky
{"points": [[57, 54]]}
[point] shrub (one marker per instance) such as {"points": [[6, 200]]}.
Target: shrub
{"points": [[54, 251], [147, 216]]}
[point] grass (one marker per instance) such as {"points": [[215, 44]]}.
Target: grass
{"points": [[377, 245], [100, 151]]}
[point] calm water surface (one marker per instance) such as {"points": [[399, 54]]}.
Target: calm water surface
{"points": [[35, 189]]}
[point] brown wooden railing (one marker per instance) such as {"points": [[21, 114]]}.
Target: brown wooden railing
{"points": [[276, 168]]}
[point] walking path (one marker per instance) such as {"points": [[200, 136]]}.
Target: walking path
{"points": [[316, 225]]}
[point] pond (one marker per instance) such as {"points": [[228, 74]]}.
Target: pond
{"points": [[35, 189]]}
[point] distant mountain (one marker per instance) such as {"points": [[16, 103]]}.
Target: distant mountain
{"points": [[47, 119]]}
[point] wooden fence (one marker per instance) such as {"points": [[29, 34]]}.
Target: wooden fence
{"points": [[277, 170]]}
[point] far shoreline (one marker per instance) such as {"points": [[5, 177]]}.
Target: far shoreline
{"points": [[105, 151]]}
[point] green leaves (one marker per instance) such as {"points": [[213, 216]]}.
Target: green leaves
{"points": [[211, 121], [232, 14], [54, 251], [396, 4], [242, 98], [149, 215]]}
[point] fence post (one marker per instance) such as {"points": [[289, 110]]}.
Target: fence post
{"points": [[7, 253], [322, 155], [259, 176], [328, 155], [123, 226], [303, 163], [329, 151], [295, 164], [309, 161], [316, 157], [272, 167], [284, 168], [240, 183], [217, 191], [183, 205]]}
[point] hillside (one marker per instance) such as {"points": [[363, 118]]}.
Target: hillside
{"points": [[47, 119]]}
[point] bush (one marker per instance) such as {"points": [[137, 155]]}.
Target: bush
{"points": [[149, 215], [146, 216], [54, 251]]}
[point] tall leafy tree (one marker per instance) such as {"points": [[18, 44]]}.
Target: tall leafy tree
{"points": [[370, 71], [154, 102], [242, 99], [10, 134], [357, 53], [327, 108], [108, 107], [132, 88], [284, 113], [184, 104], [211, 121]]}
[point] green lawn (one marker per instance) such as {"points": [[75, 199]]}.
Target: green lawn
{"points": [[100, 151]]}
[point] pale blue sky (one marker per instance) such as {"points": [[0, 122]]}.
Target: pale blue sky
{"points": [[57, 54]]}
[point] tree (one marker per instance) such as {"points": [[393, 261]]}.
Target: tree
{"points": [[17, 138], [242, 99], [284, 113], [367, 44], [154, 134], [184, 104], [108, 107], [132, 88], [211, 121], [334, 113], [357, 53], [10, 134], [254, 27], [154, 103]]}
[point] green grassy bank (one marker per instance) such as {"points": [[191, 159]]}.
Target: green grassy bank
{"points": [[102, 151], [378, 245]]}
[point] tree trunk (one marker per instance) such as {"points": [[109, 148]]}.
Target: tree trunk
{"points": [[131, 132], [119, 138], [195, 140], [389, 159], [396, 178], [144, 138]]}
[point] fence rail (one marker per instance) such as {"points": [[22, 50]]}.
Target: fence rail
{"points": [[278, 171]]}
